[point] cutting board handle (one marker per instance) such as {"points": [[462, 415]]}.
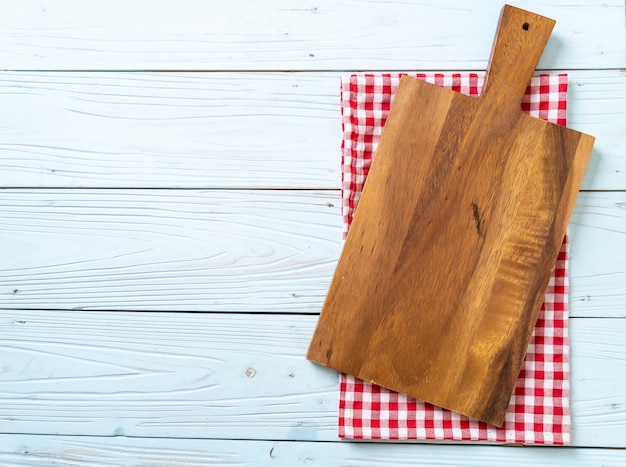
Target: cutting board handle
{"points": [[519, 43]]}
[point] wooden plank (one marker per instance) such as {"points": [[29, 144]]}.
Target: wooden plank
{"points": [[228, 251], [597, 255], [223, 130], [597, 106], [264, 251], [176, 130], [227, 376], [591, 377], [45, 451], [274, 35]]}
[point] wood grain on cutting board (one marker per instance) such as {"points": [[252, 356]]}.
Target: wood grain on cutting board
{"points": [[443, 273]]}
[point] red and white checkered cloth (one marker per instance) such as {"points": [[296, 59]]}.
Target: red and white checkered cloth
{"points": [[539, 409]]}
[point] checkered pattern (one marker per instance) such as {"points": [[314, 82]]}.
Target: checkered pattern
{"points": [[539, 408]]}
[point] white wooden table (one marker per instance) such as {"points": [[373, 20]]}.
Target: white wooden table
{"points": [[170, 221]]}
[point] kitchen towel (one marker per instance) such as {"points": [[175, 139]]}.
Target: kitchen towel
{"points": [[538, 412]]}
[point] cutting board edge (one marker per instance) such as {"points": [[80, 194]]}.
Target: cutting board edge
{"points": [[495, 421]]}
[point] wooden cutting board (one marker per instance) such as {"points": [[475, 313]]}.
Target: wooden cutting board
{"points": [[444, 270]]}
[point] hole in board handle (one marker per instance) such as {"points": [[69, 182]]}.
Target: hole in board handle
{"points": [[525, 26]]}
